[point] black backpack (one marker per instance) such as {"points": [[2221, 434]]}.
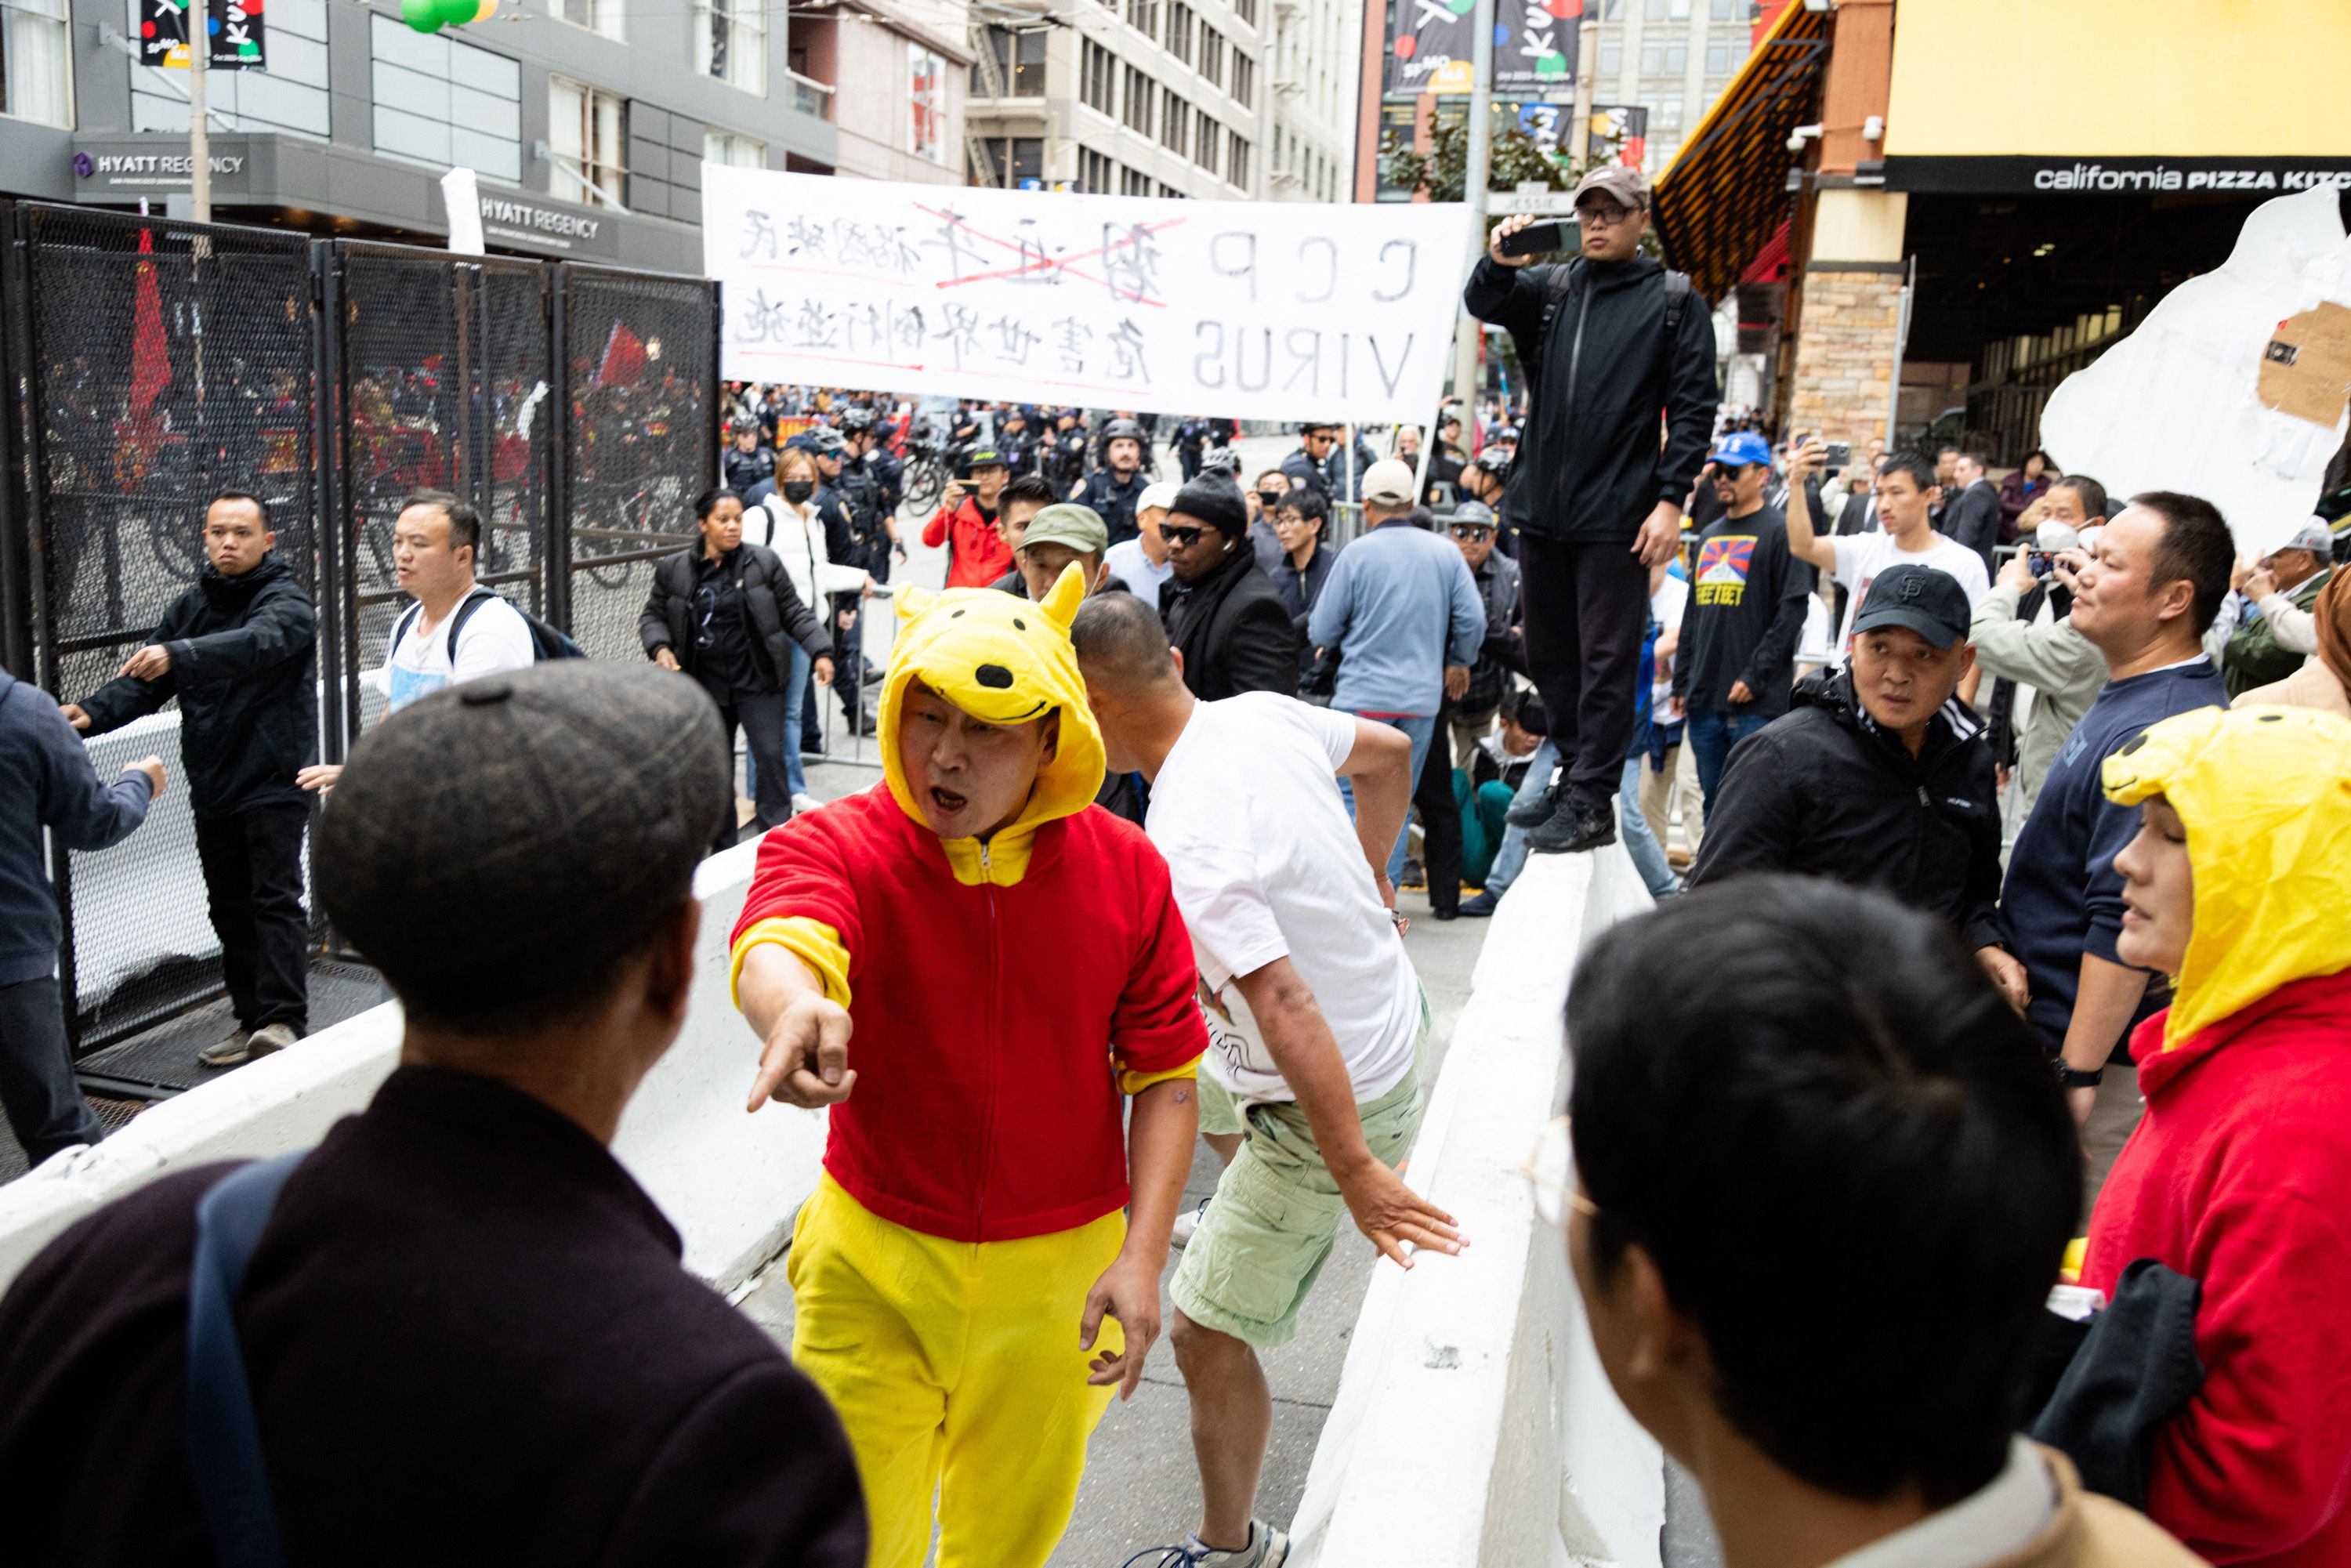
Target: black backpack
{"points": [[546, 641]]}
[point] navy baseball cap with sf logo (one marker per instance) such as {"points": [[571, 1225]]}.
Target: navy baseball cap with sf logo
{"points": [[1923, 599]]}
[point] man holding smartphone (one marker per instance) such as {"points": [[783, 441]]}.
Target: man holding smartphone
{"points": [[1609, 339]]}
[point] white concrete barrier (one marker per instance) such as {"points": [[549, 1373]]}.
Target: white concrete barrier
{"points": [[1473, 1424], [730, 1181]]}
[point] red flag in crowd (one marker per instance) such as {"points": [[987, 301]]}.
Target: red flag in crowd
{"points": [[151, 360], [625, 358]]}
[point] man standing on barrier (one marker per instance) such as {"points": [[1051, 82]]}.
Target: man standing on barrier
{"points": [[1608, 339], [238, 650]]}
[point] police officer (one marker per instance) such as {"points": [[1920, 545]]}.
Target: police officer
{"points": [[872, 472], [748, 462], [1111, 490]]}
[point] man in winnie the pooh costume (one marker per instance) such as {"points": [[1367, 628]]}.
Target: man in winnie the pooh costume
{"points": [[970, 964]]}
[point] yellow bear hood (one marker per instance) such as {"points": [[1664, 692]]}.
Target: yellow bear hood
{"points": [[2265, 796], [1003, 660]]}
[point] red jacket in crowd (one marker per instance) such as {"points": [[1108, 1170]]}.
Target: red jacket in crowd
{"points": [[2239, 1175], [977, 554]]}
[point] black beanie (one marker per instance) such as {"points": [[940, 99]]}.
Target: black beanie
{"points": [[1216, 503]]}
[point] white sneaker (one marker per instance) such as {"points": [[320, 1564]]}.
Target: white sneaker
{"points": [[804, 802], [1186, 1223], [1267, 1548], [234, 1048], [270, 1038]]}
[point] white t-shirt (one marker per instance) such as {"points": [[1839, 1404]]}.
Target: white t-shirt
{"points": [[495, 639], [1861, 557], [1266, 865], [1666, 605]]}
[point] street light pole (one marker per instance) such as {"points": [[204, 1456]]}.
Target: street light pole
{"points": [[196, 22], [1475, 177], [1579, 135]]}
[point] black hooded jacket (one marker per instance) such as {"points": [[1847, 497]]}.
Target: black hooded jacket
{"points": [[243, 658], [1822, 792], [1588, 466], [1234, 629]]}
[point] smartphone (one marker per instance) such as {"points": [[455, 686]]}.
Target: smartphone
{"points": [[1839, 459], [1535, 239], [2038, 563]]}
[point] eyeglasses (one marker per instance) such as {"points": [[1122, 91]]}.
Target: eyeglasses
{"points": [[1600, 215], [1551, 1171], [1470, 531], [1187, 538]]}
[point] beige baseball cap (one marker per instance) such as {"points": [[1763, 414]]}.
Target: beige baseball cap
{"points": [[1621, 182], [1388, 482]]}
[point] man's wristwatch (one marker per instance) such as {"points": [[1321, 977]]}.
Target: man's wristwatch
{"points": [[2071, 1077]]}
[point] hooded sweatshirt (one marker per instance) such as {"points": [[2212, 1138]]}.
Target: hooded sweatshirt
{"points": [[2239, 1175], [1004, 991]]}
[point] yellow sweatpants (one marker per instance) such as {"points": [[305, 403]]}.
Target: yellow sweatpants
{"points": [[955, 1368]]}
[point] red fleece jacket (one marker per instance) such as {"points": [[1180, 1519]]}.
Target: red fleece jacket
{"points": [[978, 554], [987, 1018], [2239, 1175]]}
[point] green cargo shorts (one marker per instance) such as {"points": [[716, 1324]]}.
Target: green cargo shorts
{"points": [[1277, 1211]]}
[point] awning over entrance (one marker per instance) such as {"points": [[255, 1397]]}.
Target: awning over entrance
{"points": [[1725, 193]]}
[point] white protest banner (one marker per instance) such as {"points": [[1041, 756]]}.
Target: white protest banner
{"points": [[1239, 309]]}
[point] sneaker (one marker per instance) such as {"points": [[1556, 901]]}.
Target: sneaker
{"points": [[804, 802], [1186, 1223], [271, 1038], [1581, 822], [1267, 1548], [1534, 813], [234, 1049], [1481, 907]]}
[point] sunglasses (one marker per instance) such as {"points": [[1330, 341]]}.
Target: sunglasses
{"points": [[1471, 531], [1551, 1171], [1187, 538]]}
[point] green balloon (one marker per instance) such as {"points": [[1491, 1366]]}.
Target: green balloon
{"points": [[424, 16]]}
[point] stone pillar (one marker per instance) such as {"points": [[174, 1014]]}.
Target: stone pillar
{"points": [[1849, 319]]}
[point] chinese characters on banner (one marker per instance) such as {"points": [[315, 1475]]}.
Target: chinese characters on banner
{"points": [[236, 35], [1245, 309]]}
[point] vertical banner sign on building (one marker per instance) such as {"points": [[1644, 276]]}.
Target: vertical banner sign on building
{"points": [[1428, 45], [1620, 131], [925, 74], [1534, 45], [1251, 310], [236, 27]]}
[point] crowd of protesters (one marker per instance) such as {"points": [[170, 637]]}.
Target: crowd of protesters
{"points": [[1961, 835]]}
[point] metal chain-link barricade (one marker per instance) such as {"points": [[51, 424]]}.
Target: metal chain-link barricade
{"points": [[162, 362], [641, 439], [444, 380]]}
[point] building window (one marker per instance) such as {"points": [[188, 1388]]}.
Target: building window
{"points": [[1612, 10], [1169, 193], [1179, 31], [587, 132], [730, 42], [1138, 100], [1133, 182], [1612, 58], [1008, 161], [1143, 17], [1098, 77], [596, 15], [734, 149], [37, 83], [1095, 173], [444, 103], [1723, 54], [926, 97], [1244, 78], [1236, 162], [1728, 10], [1206, 141], [1211, 63], [1175, 122], [1020, 62], [1247, 11], [1666, 10], [1665, 56]]}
